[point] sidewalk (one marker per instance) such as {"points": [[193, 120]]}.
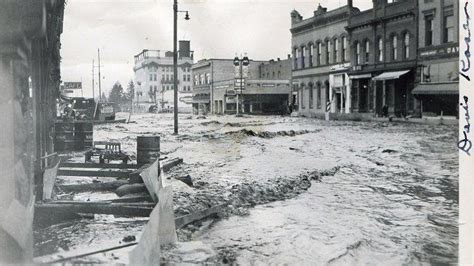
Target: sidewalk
{"points": [[437, 120]]}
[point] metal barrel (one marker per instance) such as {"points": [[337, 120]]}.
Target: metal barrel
{"points": [[148, 149]]}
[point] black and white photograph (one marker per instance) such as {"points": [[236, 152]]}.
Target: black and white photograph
{"points": [[236, 132]]}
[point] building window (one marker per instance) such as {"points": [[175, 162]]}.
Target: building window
{"points": [[303, 52], [448, 35], [196, 79], [336, 50], [328, 52], [295, 58], [279, 74], [163, 77], [318, 96], [310, 55], [406, 45], [302, 96], [208, 78], [202, 80], [357, 53], [320, 49], [151, 77], [394, 47], [429, 30], [367, 51], [273, 75], [344, 49], [310, 96], [380, 49]]}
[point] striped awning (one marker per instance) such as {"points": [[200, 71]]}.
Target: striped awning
{"points": [[451, 88]]}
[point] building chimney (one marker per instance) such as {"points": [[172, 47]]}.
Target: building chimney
{"points": [[349, 3], [278, 59], [184, 49], [289, 56]]}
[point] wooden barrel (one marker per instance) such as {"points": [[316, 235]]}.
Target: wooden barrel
{"points": [[148, 149]]}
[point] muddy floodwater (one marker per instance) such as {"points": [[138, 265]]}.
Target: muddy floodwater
{"points": [[299, 191]]}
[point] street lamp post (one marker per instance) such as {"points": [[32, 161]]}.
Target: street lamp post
{"points": [[175, 61], [238, 62]]}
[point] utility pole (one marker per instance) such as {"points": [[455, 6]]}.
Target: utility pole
{"points": [[175, 65], [175, 61], [100, 91], [93, 90]]}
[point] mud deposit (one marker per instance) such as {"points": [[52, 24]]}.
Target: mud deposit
{"points": [[298, 191]]}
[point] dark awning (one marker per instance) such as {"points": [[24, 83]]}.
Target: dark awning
{"points": [[436, 89]]}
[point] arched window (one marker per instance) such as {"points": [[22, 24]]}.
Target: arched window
{"points": [[357, 53], [367, 51], [318, 95], [303, 54], [344, 48], [310, 55], [328, 52], [336, 50], [380, 49], [394, 47], [311, 96], [320, 51], [406, 45]]}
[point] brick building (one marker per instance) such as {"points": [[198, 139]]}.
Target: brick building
{"points": [[320, 48], [154, 75], [383, 55], [215, 88], [205, 72], [438, 57]]}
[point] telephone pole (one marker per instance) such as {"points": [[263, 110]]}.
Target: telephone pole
{"points": [[93, 90], [100, 89]]}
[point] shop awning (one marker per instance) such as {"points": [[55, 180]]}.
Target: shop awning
{"points": [[437, 89], [390, 75], [362, 76]]}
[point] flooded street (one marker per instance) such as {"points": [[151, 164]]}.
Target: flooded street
{"points": [[300, 191]]}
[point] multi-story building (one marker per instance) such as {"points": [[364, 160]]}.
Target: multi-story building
{"points": [[438, 57], [204, 73], [383, 55], [320, 48], [215, 87], [154, 77]]}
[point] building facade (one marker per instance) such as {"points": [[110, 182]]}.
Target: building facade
{"points": [[321, 60], [205, 72], [438, 57], [383, 55], [154, 77], [216, 90]]}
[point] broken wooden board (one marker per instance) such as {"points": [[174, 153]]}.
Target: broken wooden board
{"points": [[96, 186], [193, 217], [75, 172], [99, 165]]}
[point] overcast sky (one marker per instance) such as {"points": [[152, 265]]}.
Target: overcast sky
{"points": [[217, 29]]}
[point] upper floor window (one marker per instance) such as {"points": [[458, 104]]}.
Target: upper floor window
{"points": [[344, 48], [328, 52], [303, 53], [336, 50], [320, 50], [448, 34], [202, 79], [429, 30], [380, 49], [406, 45], [357, 53], [310, 55], [208, 78], [394, 47], [367, 51], [295, 58]]}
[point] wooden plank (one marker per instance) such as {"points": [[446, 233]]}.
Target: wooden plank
{"points": [[171, 163], [64, 172], [190, 218], [100, 186], [60, 209], [99, 165]]}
